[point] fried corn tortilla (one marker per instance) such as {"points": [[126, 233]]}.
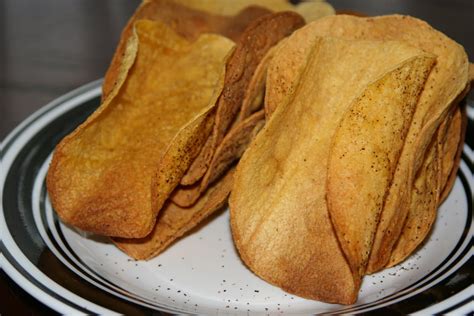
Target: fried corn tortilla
{"points": [[432, 177], [361, 166], [445, 83], [256, 41], [447, 139], [230, 149], [233, 145], [174, 221], [285, 67], [310, 10], [277, 205], [433, 182], [187, 22], [112, 175], [254, 95], [423, 205], [456, 132], [252, 102]]}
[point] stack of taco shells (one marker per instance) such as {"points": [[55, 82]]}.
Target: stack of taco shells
{"points": [[361, 145]]}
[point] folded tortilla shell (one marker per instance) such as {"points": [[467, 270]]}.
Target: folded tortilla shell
{"points": [[448, 136], [231, 149], [285, 68], [361, 166], [279, 216], [456, 134], [112, 174], [252, 102], [423, 206], [444, 85], [432, 184], [437, 97], [256, 41], [233, 145], [174, 221], [254, 96], [187, 22]]}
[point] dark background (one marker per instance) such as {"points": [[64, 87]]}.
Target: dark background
{"points": [[50, 47]]}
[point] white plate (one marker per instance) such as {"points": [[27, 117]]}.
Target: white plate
{"points": [[202, 273]]}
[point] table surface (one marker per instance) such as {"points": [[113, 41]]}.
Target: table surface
{"points": [[50, 47]]}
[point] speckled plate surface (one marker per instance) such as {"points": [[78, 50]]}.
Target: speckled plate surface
{"points": [[72, 272]]}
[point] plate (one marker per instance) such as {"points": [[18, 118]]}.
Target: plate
{"points": [[71, 271]]}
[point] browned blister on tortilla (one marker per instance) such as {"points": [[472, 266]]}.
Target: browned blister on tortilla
{"points": [[364, 154], [445, 83], [113, 173], [423, 206], [279, 216], [257, 39], [186, 21], [174, 221]]}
